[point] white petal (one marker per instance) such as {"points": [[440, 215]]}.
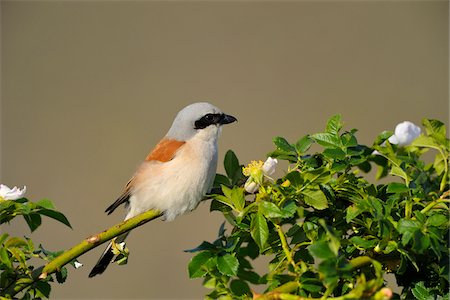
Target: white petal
{"points": [[251, 186], [406, 132], [77, 265], [393, 139], [269, 166], [12, 194]]}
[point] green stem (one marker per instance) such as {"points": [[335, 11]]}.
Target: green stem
{"points": [[86, 245], [436, 202], [285, 246]]}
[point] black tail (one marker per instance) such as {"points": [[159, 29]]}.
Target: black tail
{"points": [[106, 258]]}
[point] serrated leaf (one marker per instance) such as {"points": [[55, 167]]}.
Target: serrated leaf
{"points": [[321, 250], [404, 226], [435, 127], [269, 209], [437, 220], [282, 144], [334, 124], [303, 144], [363, 244], [315, 198], [396, 187], [259, 230], [334, 153], [421, 292], [197, 265], [397, 171], [327, 140], [61, 275], [227, 265], [240, 288]]}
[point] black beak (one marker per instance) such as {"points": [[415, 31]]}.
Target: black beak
{"points": [[226, 119]]}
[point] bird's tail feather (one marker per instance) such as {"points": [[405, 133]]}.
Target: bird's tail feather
{"points": [[106, 257]]}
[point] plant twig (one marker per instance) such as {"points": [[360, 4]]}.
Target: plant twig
{"points": [[84, 246]]}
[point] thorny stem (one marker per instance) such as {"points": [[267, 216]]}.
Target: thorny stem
{"points": [[84, 246], [441, 199], [285, 247]]}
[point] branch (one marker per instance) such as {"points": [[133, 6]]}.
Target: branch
{"points": [[86, 245]]}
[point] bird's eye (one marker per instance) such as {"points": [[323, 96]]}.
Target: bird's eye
{"points": [[206, 120], [209, 117]]}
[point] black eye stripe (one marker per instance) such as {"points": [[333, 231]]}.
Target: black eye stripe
{"points": [[206, 120]]}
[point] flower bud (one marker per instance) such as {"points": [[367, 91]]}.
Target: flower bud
{"points": [[269, 166], [405, 133], [251, 186]]}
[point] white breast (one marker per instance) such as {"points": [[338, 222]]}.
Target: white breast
{"points": [[177, 186]]}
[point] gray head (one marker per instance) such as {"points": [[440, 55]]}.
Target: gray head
{"points": [[196, 118]]}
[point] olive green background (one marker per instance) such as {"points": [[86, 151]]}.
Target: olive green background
{"points": [[88, 87]]}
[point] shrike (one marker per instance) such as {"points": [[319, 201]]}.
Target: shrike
{"points": [[177, 173]]}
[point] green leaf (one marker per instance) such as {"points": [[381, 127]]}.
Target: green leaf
{"points": [[315, 198], [421, 292], [269, 210], [334, 153], [240, 288], [425, 141], [4, 258], [334, 125], [288, 209], [15, 242], [397, 171], [434, 127], [327, 140], [238, 198], [221, 180], [197, 265], [321, 250], [227, 265], [56, 215], [283, 144], [45, 203], [259, 230], [396, 187], [231, 164], [33, 221], [43, 288], [437, 220], [303, 144], [404, 226], [363, 244], [352, 212], [61, 275]]}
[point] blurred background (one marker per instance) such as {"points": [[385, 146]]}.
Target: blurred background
{"points": [[89, 87]]}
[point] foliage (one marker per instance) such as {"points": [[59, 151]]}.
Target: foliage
{"points": [[329, 232], [17, 253]]}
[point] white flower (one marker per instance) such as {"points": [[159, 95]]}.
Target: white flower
{"points": [[405, 133], [250, 186], [256, 171], [77, 264], [269, 166], [11, 194]]}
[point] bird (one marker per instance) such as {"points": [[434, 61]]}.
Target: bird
{"points": [[177, 173]]}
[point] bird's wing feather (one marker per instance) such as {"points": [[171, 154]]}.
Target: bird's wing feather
{"points": [[164, 151]]}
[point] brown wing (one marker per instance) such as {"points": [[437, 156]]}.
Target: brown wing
{"points": [[164, 151]]}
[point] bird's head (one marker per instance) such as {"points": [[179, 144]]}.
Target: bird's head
{"points": [[201, 118]]}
